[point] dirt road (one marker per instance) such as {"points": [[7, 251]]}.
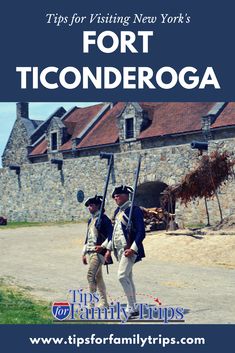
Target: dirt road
{"points": [[197, 273]]}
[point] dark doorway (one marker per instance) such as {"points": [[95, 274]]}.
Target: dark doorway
{"points": [[148, 194]]}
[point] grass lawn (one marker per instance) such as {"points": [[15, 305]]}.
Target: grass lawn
{"points": [[16, 307], [14, 225]]}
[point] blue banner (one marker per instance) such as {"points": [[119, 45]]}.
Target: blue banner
{"points": [[97, 51], [106, 338]]}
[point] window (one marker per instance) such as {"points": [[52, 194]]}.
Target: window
{"points": [[54, 146], [129, 128]]}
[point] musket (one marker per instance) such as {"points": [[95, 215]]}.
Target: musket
{"points": [[133, 195], [109, 157]]}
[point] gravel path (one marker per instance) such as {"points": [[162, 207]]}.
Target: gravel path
{"points": [[47, 262]]}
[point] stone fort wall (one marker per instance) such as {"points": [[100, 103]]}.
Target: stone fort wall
{"points": [[43, 193]]}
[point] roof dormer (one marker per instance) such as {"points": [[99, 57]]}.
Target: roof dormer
{"points": [[56, 134], [131, 122]]}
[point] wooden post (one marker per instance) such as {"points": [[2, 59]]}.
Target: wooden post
{"points": [[220, 209], [207, 213]]}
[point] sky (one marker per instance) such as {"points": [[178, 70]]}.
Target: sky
{"points": [[39, 111]]}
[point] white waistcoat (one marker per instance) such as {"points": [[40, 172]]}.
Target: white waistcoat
{"points": [[119, 240], [92, 234]]}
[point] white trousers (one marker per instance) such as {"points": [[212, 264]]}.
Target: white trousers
{"points": [[125, 277]]}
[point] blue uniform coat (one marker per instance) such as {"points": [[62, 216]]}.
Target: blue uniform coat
{"points": [[137, 233], [105, 231]]}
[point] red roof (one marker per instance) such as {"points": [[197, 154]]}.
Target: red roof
{"points": [[106, 130], [227, 117], [41, 148], [77, 121], [173, 118], [166, 119]]}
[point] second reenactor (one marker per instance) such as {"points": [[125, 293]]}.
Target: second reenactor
{"points": [[127, 246]]}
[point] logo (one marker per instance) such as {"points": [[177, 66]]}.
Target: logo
{"points": [[61, 310], [82, 305]]}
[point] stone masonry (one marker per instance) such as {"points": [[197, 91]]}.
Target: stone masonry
{"points": [[43, 193]]}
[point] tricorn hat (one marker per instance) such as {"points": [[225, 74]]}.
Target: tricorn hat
{"points": [[123, 189], [96, 200]]}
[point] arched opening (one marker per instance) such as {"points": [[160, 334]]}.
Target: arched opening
{"points": [[148, 195]]}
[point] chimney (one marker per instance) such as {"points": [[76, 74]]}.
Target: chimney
{"points": [[22, 110], [208, 120]]}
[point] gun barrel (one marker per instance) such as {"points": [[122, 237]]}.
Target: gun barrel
{"points": [[109, 156], [133, 194]]}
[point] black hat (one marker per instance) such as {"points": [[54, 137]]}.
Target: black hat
{"points": [[96, 200], [123, 189]]}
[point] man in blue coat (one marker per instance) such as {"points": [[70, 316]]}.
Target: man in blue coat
{"points": [[127, 247], [95, 242]]}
